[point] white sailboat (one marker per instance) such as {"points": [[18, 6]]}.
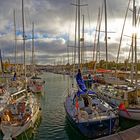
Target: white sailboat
{"points": [[23, 110], [35, 83]]}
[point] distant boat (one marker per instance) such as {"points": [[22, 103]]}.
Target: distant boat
{"points": [[36, 84]]}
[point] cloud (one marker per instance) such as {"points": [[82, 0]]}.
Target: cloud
{"points": [[54, 25]]}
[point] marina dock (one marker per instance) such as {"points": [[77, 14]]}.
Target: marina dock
{"points": [[129, 134]]}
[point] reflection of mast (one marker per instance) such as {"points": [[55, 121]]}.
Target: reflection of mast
{"points": [[15, 39]]}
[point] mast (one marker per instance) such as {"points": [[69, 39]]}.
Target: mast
{"points": [[106, 34], [1, 63], [75, 43], [94, 46], [82, 40], [98, 42], [68, 51], [78, 5], [15, 39], [97, 48], [33, 48], [135, 42], [24, 47], [79, 34]]}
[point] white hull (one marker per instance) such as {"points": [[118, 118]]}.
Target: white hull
{"points": [[36, 85], [13, 131], [35, 88], [114, 81], [130, 113]]}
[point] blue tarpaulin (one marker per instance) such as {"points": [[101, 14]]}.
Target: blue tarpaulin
{"points": [[82, 86]]}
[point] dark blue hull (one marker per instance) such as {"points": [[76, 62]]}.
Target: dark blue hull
{"points": [[96, 129]]}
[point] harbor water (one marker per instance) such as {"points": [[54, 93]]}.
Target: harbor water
{"points": [[52, 123]]}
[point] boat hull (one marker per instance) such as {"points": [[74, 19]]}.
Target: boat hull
{"points": [[13, 131], [133, 114], [129, 113], [94, 129]]}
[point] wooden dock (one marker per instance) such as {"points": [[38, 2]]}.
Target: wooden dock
{"points": [[129, 134]]}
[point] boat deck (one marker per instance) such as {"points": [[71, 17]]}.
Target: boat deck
{"points": [[129, 134]]}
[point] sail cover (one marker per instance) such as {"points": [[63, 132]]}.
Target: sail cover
{"points": [[80, 82], [81, 85]]}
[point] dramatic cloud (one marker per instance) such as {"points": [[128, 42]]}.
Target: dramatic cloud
{"points": [[54, 28]]}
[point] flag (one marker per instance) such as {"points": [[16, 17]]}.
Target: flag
{"points": [[77, 105], [122, 108]]}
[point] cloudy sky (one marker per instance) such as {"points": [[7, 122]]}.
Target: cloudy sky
{"points": [[54, 29]]}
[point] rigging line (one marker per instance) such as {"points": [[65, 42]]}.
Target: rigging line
{"points": [[122, 32], [95, 36], [75, 39], [68, 43], [100, 23]]}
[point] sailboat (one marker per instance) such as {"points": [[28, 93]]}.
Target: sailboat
{"points": [[35, 83], [125, 97], [23, 109], [90, 115]]}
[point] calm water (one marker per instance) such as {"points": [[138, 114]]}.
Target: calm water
{"points": [[53, 125]]}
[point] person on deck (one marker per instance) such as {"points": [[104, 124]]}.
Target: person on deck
{"points": [[15, 76], [90, 81]]}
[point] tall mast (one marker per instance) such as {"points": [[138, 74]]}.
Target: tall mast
{"points": [[75, 44], [135, 47], [94, 46], [33, 47], [78, 22], [15, 39], [82, 40], [135, 42], [68, 51], [98, 42], [24, 47], [106, 34], [79, 34], [98, 26]]}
